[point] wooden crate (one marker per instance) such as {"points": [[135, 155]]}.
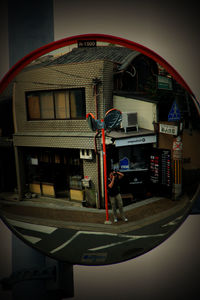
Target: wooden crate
{"points": [[48, 189], [77, 195], [35, 188]]}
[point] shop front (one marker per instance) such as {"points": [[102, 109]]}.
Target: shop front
{"points": [[53, 172], [131, 156]]}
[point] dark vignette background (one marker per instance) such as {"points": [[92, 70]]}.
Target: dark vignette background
{"points": [[171, 29]]}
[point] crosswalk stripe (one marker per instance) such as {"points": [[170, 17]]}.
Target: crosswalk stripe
{"points": [[34, 227], [31, 239]]}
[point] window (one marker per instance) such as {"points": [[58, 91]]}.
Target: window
{"points": [[33, 107], [59, 104], [46, 105], [76, 104], [62, 105]]}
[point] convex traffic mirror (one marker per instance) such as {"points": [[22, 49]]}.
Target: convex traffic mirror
{"points": [[100, 153]]}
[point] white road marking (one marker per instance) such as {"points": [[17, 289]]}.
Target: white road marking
{"points": [[85, 232], [79, 233], [65, 244], [34, 227], [174, 222], [110, 245], [134, 237], [31, 239], [129, 237]]}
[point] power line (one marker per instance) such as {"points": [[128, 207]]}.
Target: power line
{"points": [[51, 84], [69, 74]]}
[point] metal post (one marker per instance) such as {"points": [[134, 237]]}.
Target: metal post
{"points": [[41, 277], [105, 173], [24, 257], [31, 37], [177, 167]]}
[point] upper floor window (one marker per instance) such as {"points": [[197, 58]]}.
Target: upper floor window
{"points": [[56, 105]]}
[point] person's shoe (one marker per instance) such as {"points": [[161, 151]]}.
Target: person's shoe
{"points": [[125, 219], [115, 220]]}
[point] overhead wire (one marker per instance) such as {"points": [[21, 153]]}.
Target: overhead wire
{"points": [[50, 84], [59, 84], [65, 73]]}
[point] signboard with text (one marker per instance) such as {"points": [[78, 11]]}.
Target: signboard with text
{"points": [[168, 129], [86, 43]]}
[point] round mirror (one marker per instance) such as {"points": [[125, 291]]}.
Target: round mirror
{"points": [[83, 191]]}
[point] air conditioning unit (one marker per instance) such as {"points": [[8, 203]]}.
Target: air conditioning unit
{"points": [[129, 119]]}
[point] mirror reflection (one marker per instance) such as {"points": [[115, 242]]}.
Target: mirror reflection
{"points": [[99, 153]]}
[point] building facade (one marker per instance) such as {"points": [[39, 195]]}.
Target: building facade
{"points": [[56, 152]]}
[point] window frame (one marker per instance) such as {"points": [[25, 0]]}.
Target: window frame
{"points": [[39, 92]]}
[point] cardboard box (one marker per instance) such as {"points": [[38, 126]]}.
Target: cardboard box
{"points": [[35, 188], [48, 189], [77, 195]]}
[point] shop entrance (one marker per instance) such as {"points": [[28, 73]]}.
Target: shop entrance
{"points": [[133, 161], [49, 171]]}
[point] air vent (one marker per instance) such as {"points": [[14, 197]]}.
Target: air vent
{"points": [[86, 154]]}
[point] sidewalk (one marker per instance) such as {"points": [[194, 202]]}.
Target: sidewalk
{"points": [[63, 213]]}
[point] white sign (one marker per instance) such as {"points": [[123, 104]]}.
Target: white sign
{"points": [[168, 129], [34, 161], [136, 140]]}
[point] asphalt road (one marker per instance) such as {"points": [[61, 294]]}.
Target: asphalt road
{"points": [[96, 248]]}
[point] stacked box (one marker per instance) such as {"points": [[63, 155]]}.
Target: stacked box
{"points": [[35, 188], [77, 195], [48, 189]]}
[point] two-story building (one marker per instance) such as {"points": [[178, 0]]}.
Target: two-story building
{"points": [[54, 146]]}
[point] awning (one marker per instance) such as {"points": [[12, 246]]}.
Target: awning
{"points": [[136, 141], [142, 136]]}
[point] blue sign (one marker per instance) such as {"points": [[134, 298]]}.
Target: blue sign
{"points": [[174, 114], [124, 163]]}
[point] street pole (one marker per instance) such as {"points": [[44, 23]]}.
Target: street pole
{"points": [[105, 173], [99, 125]]}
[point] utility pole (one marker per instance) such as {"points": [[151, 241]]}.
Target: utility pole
{"points": [[112, 120]]}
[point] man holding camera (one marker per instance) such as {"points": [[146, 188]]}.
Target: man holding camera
{"points": [[114, 194]]}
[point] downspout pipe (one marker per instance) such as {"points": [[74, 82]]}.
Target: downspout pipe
{"points": [[96, 82], [98, 168]]}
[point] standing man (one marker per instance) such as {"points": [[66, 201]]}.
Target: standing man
{"points": [[114, 194]]}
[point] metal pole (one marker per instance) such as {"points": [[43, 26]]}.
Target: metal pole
{"points": [[177, 167], [105, 173]]}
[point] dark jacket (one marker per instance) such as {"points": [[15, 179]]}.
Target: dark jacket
{"points": [[115, 189]]}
